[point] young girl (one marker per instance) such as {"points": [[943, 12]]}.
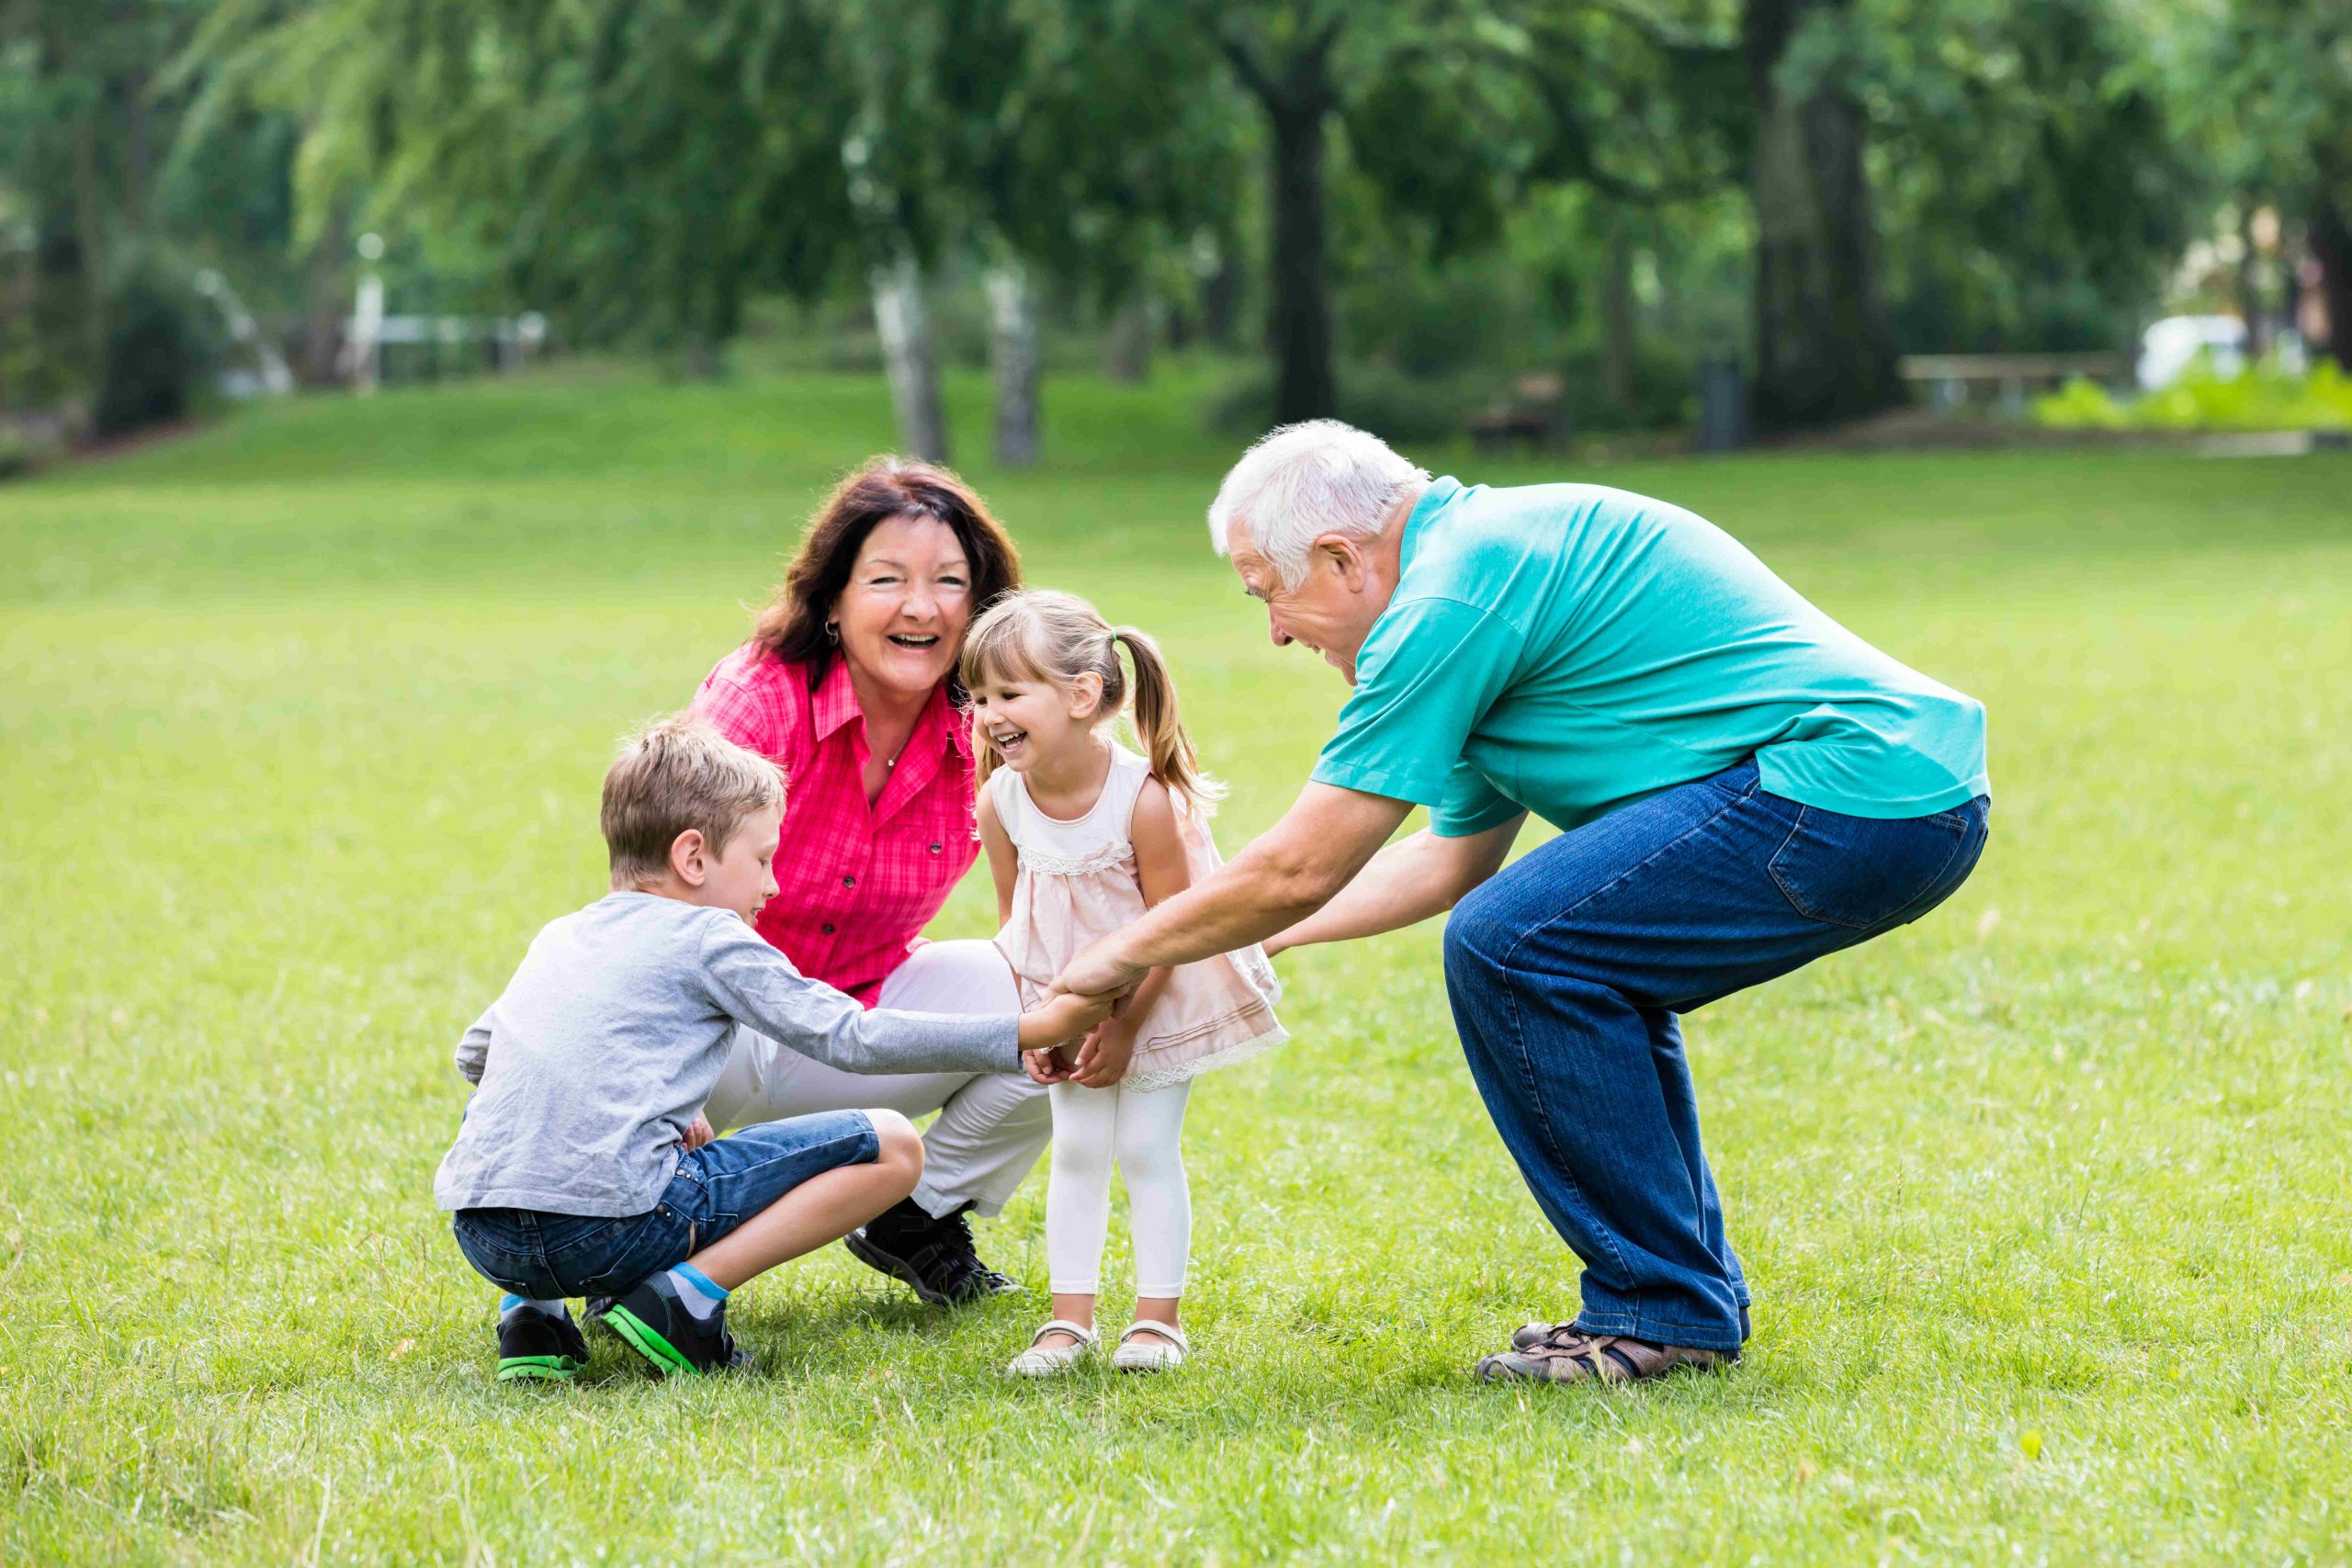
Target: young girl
{"points": [[1083, 836]]}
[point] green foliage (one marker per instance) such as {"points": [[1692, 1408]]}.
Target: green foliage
{"points": [[1393, 404], [301, 725], [2033, 189], [2263, 398], [159, 351]]}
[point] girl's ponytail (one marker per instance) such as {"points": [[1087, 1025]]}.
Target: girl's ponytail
{"points": [[1174, 763]]}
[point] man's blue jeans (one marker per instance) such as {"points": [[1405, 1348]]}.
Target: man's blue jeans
{"points": [[1567, 972]]}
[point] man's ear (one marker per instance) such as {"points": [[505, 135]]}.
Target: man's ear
{"points": [[690, 857], [1085, 695], [1344, 556]]}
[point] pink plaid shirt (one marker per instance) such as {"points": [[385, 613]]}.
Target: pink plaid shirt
{"points": [[855, 883]]}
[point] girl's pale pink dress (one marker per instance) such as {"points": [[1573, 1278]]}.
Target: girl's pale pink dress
{"points": [[1077, 882]]}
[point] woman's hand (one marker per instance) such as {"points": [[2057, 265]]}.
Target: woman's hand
{"points": [[698, 1132], [1103, 1060]]}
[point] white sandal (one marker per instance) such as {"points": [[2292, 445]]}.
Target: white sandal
{"points": [[1149, 1347], [1052, 1360]]}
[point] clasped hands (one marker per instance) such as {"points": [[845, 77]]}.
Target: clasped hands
{"points": [[1093, 978]]}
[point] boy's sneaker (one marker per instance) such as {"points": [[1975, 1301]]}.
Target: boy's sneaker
{"points": [[934, 1257], [657, 1325], [535, 1344]]}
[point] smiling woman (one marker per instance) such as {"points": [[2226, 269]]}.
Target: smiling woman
{"points": [[848, 683]]}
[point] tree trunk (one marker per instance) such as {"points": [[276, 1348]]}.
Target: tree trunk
{"points": [[1300, 320], [1126, 342], [1221, 297], [1013, 363], [2249, 282], [1618, 350], [2331, 241], [325, 290], [1824, 351], [89, 239], [907, 356], [137, 153]]}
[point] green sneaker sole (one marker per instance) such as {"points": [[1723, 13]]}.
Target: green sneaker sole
{"points": [[550, 1369], [665, 1357]]}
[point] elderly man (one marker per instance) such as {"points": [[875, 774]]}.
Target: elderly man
{"points": [[1741, 784]]}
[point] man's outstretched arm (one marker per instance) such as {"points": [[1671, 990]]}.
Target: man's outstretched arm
{"points": [[1415, 878], [1293, 870]]}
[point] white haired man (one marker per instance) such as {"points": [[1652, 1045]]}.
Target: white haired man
{"points": [[1741, 784]]}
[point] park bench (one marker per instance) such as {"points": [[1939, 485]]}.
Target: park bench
{"points": [[1533, 415], [1953, 378]]}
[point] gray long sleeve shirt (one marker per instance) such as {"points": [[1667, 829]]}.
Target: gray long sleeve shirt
{"points": [[611, 1035]]}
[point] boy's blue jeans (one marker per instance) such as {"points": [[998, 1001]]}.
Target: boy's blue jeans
{"points": [[1567, 972], [717, 1188]]}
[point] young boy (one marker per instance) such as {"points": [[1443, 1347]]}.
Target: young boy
{"points": [[584, 1168]]}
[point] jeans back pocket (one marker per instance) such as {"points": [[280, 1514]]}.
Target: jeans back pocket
{"points": [[1863, 871]]}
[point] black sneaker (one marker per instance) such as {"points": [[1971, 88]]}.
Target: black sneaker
{"points": [[934, 1257], [535, 1344], [657, 1325]]}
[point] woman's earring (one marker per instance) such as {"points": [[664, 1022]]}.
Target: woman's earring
{"points": [[833, 633]]}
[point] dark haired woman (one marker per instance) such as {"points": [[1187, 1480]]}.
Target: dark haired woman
{"points": [[848, 683]]}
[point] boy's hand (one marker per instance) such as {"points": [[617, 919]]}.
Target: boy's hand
{"points": [[1103, 1060], [1048, 1067], [1060, 1019], [698, 1132]]}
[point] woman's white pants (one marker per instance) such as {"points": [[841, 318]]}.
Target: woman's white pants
{"points": [[1140, 1132], [992, 1126]]}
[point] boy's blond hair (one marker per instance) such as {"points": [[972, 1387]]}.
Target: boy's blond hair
{"points": [[675, 774]]}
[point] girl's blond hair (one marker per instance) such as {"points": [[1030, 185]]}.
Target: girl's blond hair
{"points": [[1040, 634]]}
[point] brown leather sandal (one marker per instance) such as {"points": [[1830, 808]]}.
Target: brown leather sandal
{"points": [[1527, 1335], [1570, 1355]]}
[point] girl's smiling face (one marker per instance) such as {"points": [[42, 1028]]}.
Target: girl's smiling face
{"points": [[1027, 717]]}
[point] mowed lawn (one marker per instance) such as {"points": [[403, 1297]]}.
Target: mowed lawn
{"points": [[2045, 1199]]}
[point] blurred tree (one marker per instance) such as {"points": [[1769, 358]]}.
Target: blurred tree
{"points": [[1401, 77], [2015, 146], [2023, 152], [633, 166], [2264, 90], [110, 223], [1061, 142]]}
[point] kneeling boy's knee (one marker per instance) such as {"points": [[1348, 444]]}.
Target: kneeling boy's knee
{"points": [[897, 1143]]}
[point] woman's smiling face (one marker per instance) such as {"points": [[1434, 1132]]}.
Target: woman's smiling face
{"points": [[907, 605]]}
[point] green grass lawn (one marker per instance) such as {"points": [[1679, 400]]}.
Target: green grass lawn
{"points": [[2045, 1199]]}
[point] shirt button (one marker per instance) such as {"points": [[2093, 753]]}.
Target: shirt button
{"points": [[849, 881], [827, 927], [935, 849]]}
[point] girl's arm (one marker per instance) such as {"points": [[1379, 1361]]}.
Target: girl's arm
{"points": [[1164, 870], [1004, 863]]}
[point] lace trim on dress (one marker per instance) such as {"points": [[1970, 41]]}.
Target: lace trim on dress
{"points": [[1184, 1072], [1108, 858]]}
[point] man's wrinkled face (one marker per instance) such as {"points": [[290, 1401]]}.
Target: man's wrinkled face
{"points": [[1333, 608]]}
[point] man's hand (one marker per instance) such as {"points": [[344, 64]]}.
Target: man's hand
{"points": [[1100, 972], [698, 1132], [1060, 1019], [1104, 1060]]}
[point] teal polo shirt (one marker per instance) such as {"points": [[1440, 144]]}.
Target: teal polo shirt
{"points": [[1569, 649]]}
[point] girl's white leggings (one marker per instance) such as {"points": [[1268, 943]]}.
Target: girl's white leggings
{"points": [[1141, 1133]]}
